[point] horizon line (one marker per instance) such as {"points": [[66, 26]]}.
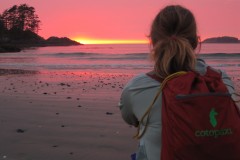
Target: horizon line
{"points": [[120, 41], [110, 41]]}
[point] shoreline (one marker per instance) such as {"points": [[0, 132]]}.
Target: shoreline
{"points": [[8, 48]]}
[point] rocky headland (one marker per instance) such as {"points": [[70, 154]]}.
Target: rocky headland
{"points": [[26, 39], [224, 39]]}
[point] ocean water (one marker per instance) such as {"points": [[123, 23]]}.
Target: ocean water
{"points": [[132, 58]]}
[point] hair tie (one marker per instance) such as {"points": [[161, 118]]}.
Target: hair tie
{"points": [[173, 37]]}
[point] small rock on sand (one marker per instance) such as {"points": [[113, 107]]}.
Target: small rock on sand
{"points": [[20, 130], [109, 113]]}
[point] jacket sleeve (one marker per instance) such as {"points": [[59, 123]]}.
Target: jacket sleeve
{"points": [[228, 82], [126, 108]]}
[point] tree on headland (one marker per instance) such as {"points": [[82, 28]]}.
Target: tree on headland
{"points": [[2, 27], [19, 26], [22, 17]]}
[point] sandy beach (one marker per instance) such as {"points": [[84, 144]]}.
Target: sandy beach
{"points": [[63, 115]]}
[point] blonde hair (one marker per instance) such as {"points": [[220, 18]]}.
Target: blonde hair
{"points": [[174, 38]]}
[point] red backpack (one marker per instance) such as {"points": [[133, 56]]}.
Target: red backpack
{"points": [[200, 121]]}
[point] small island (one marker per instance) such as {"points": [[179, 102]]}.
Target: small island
{"points": [[19, 26], [224, 39]]}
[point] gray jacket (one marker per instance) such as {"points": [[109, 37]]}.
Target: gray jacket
{"points": [[136, 98]]}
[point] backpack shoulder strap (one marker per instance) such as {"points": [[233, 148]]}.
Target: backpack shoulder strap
{"points": [[146, 114], [174, 75], [213, 72]]}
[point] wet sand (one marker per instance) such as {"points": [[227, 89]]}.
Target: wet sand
{"points": [[63, 115]]}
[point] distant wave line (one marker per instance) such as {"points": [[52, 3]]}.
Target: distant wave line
{"points": [[87, 54], [100, 56], [218, 54], [131, 56], [136, 54]]}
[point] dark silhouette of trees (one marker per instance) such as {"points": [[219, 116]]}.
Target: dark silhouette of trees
{"points": [[18, 29], [19, 24], [21, 18], [2, 28]]}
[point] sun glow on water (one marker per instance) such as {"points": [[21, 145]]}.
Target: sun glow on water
{"points": [[109, 41]]}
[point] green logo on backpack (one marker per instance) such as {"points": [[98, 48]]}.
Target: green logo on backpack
{"points": [[212, 117], [213, 132]]}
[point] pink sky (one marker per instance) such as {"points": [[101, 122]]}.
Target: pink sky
{"points": [[126, 19]]}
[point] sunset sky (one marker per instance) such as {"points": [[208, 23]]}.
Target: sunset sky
{"points": [[126, 21]]}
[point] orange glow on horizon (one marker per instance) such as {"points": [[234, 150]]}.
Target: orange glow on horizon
{"points": [[109, 41]]}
